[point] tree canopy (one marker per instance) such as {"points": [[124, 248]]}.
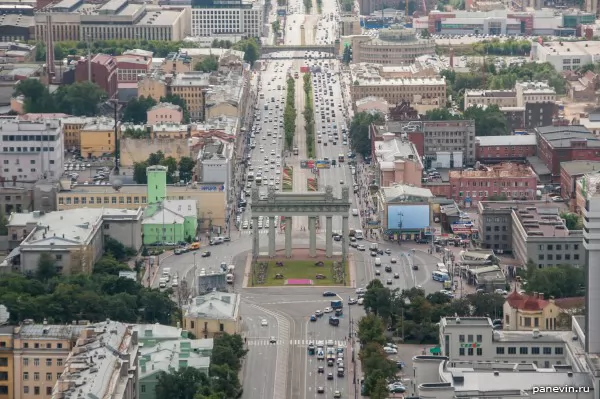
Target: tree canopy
{"points": [[208, 64], [289, 114], [359, 131], [136, 110], [558, 281], [79, 99], [185, 168]]}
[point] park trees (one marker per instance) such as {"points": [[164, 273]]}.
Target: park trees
{"points": [[359, 131]]}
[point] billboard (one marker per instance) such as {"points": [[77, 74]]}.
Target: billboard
{"points": [[322, 164], [408, 217], [308, 164]]}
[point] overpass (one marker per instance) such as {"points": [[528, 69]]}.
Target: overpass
{"points": [[299, 48]]}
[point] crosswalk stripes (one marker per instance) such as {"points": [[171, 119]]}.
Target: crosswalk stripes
{"points": [[260, 231], [292, 342]]}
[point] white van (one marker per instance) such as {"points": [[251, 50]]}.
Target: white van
{"points": [[441, 266], [377, 261], [354, 212]]}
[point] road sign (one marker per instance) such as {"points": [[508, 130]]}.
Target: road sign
{"points": [[471, 345]]}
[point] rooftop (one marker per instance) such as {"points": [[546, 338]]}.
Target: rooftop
{"points": [[490, 93], [167, 106], [99, 124], [375, 75], [98, 365], [574, 168], [169, 212], [203, 52], [392, 149], [140, 189], [49, 331], [405, 193], [502, 170], [214, 305], [467, 321], [513, 140], [565, 136], [70, 227], [571, 49], [191, 79], [541, 222]]}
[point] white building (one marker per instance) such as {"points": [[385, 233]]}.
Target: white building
{"points": [[534, 92], [591, 242], [566, 56], [214, 162], [31, 150], [223, 17]]}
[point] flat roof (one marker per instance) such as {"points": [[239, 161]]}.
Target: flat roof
{"points": [[467, 321], [580, 167], [571, 49], [502, 170], [513, 140], [541, 222], [160, 17], [562, 136]]}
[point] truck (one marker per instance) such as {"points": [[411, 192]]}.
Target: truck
{"points": [[337, 304], [373, 246], [358, 234], [340, 371]]}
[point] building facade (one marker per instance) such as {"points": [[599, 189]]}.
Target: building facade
{"points": [[398, 161], [395, 45], [131, 66], [220, 17], [402, 211], [97, 138], [213, 314], [104, 73], [31, 150], [165, 113], [505, 148], [7, 389], [509, 180], [528, 312]]}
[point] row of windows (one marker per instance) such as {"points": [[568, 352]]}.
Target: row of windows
{"points": [[36, 345], [496, 237], [558, 247], [27, 149], [484, 194], [18, 170], [36, 390], [36, 362], [36, 376], [100, 200], [558, 257], [524, 350], [496, 228], [470, 351], [487, 183], [23, 137], [469, 338]]}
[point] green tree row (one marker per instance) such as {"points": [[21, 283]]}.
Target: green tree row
{"points": [[185, 168], [562, 281], [307, 6], [46, 294], [79, 99], [136, 109], [505, 47], [208, 64], [320, 6], [359, 131], [289, 114], [222, 381], [489, 121], [309, 116]]}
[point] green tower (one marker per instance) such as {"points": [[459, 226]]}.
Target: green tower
{"points": [[157, 183]]}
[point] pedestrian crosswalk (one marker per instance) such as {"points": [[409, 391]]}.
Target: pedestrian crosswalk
{"points": [[291, 342], [249, 231]]}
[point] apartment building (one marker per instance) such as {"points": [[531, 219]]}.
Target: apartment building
{"points": [[398, 161], [131, 66], [31, 150], [7, 390], [505, 148], [40, 352], [165, 113], [394, 46], [72, 131], [97, 138], [226, 17], [77, 20], [110, 351], [213, 314], [507, 180], [379, 81]]}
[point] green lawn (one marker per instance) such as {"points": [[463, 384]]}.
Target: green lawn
{"points": [[300, 269]]}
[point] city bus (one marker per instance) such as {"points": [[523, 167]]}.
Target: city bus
{"points": [[439, 276], [341, 158]]}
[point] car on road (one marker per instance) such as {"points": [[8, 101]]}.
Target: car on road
{"points": [[321, 369], [389, 281], [377, 272], [328, 310], [361, 290], [390, 350], [330, 376], [272, 340], [264, 322], [415, 267], [178, 251], [313, 317], [388, 251], [396, 275], [393, 260], [396, 387], [388, 268], [318, 313], [361, 301], [319, 389], [329, 293], [351, 301], [337, 394], [361, 248], [205, 254]]}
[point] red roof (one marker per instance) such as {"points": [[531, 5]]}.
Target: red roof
{"points": [[526, 302], [576, 302]]}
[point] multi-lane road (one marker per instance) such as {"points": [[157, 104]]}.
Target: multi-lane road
{"points": [[278, 364]]}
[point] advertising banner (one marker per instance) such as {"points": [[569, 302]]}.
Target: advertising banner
{"points": [[308, 164], [321, 164]]}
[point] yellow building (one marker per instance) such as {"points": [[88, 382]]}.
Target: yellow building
{"points": [[529, 312], [213, 314], [6, 363], [40, 352], [211, 199], [97, 138], [152, 86], [72, 129]]}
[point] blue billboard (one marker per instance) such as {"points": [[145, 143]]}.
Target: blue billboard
{"points": [[408, 217]]}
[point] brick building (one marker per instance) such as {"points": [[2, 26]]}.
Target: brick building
{"points": [[131, 66], [104, 72], [504, 148], [558, 144], [510, 180], [570, 172]]}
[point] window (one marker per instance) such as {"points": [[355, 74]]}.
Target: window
{"points": [[48, 391], [48, 376], [36, 345], [575, 256], [558, 351], [49, 345], [48, 362], [461, 351], [547, 350], [59, 362], [541, 257], [143, 388], [523, 350], [113, 200], [36, 390], [221, 327], [479, 352], [25, 389], [461, 338], [36, 376], [512, 350], [36, 361], [535, 350], [470, 338], [25, 362], [499, 350], [479, 338], [25, 376], [550, 246], [470, 351]]}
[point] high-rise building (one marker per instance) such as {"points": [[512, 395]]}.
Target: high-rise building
{"points": [[591, 241], [232, 17]]}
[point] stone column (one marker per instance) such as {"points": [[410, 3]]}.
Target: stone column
{"points": [[288, 237], [255, 238], [328, 236], [345, 237], [271, 236], [312, 236]]}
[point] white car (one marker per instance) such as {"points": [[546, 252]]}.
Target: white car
{"points": [[272, 340], [264, 323], [330, 342], [390, 351], [328, 310]]}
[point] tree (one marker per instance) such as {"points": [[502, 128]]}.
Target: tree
{"points": [[250, 48], [180, 384], [489, 121], [3, 224], [441, 114], [276, 26], [46, 267], [359, 131], [347, 55], [117, 250], [572, 220], [186, 168], [79, 99], [109, 265], [208, 64], [425, 34], [557, 281], [136, 110], [487, 305], [37, 97], [378, 299], [139, 172], [371, 329], [379, 390]]}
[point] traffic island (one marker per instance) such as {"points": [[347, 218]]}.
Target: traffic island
{"points": [[312, 184], [288, 175], [282, 271]]}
